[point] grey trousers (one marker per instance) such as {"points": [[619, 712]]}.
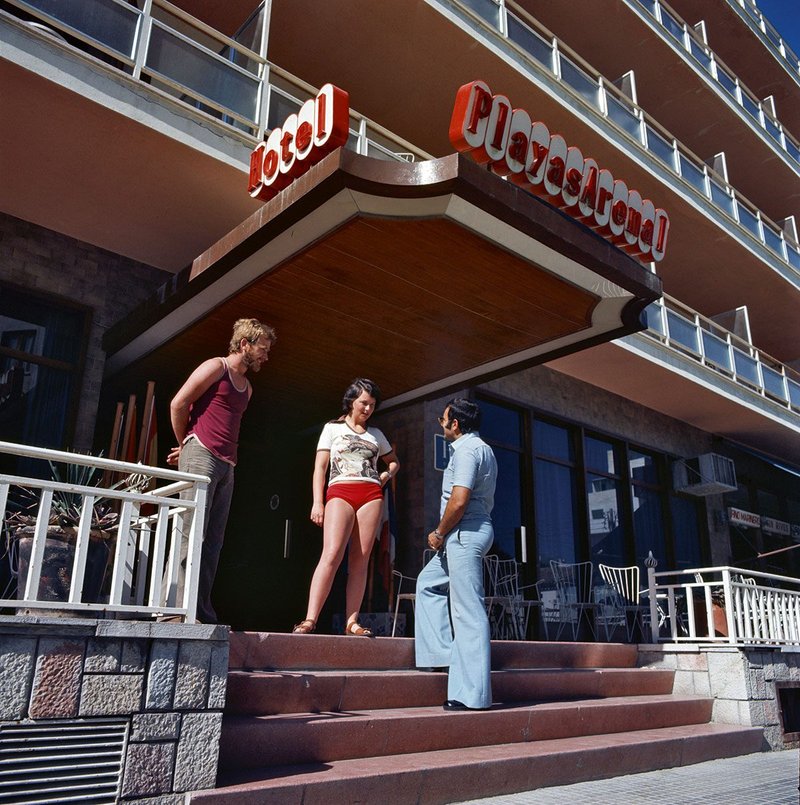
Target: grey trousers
{"points": [[196, 459]]}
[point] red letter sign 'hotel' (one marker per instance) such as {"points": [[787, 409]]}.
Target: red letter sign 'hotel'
{"points": [[486, 127]]}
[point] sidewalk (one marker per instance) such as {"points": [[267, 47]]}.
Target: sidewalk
{"points": [[768, 778]]}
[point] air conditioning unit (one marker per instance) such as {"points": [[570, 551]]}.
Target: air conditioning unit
{"points": [[709, 474]]}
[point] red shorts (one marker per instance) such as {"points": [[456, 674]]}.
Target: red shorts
{"points": [[356, 494]]}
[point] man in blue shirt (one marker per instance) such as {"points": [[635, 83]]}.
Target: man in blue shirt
{"points": [[452, 627]]}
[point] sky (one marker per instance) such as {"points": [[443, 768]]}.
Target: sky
{"points": [[785, 18]]}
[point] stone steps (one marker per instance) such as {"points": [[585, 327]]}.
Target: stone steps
{"points": [[322, 737], [453, 775], [329, 719], [271, 692]]}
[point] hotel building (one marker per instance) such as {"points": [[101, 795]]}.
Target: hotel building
{"points": [[636, 403]]}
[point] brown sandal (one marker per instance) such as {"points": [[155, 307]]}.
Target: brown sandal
{"points": [[304, 627], [355, 628]]}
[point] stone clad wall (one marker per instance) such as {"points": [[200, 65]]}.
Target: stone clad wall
{"points": [[742, 681], [168, 680]]}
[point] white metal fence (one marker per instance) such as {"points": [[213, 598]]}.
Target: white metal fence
{"points": [[725, 605], [120, 522]]}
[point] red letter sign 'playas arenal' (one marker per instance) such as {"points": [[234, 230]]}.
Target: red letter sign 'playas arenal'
{"points": [[486, 127], [321, 125]]}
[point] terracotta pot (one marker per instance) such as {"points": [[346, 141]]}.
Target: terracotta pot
{"points": [[718, 619]]}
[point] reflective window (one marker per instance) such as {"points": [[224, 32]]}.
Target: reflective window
{"points": [[673, 27], [533, 44], [658, 146], [773, 382], [701, 55], [557, 528], [502, 427], [109, 23], [41, 352], [751, 107], [556, 496], [507, 512], [580, 81], [488, 10], [202, 73], [648, 516], [606, 528], [599, 455], [721, 197], [683, 332], [749, 220], [694, 175], [727, 82], [773, 240], [653, 315], [623, 116], [500, 424], [716, 350], [685, 534], [746, 367], [553, 441]]}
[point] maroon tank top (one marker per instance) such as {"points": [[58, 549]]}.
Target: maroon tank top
{"points": [[216, 415]]}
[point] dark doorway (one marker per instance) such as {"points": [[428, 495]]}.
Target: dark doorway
{"points": [[271, 546]]}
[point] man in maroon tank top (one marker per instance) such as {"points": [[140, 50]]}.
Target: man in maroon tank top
{"points": [[206, 414]]}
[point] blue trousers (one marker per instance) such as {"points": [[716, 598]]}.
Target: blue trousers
{"points": [[452, 627]]}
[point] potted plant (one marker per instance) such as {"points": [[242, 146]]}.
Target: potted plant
{"points": [[62, 530], [719, 619]]}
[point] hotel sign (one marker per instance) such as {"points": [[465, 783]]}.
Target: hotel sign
{"points": [[321, 125], [492, 132], [742, 518], [770, 525]]}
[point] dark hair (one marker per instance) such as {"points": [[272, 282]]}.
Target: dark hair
{"points": [[355, 390], [466, 412]]}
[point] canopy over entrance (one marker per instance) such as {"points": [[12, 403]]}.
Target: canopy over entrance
{"points": [[421, 276]]}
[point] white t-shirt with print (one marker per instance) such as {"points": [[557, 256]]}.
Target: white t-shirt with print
{"points": [[354, 456]]}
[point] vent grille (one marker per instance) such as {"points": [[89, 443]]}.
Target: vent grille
{"points": [[61, 761]]}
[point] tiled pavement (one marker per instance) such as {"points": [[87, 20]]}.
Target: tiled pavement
{"points": [[769, 778]]}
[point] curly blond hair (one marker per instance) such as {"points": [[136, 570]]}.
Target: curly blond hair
{"points": [[251, 330]]}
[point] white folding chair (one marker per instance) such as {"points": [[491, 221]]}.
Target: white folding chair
{"points": [[406, 587], [576, 602], [622, 598], [510, 609]]}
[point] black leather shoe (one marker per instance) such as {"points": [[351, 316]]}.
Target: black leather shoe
{"points": [[439, 669], [454, 704]]}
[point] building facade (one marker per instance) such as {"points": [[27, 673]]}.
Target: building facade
{"points": [[667, 421]]}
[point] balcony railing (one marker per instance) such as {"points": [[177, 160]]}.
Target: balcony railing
{"points": [[126, 532], [708, 343], [724, 605], [191, 64], [748, 11], [686, 38], [543, 53]]}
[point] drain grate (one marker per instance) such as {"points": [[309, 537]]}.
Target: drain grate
{"points": [[62, 761]]}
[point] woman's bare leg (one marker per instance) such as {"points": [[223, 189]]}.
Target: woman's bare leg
{"points": [[340, 519], [368, 520]]}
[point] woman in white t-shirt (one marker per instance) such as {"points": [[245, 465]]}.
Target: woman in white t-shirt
{"points": [[348, 453]]}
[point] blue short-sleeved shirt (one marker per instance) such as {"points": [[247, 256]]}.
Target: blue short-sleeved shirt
{"points": [[472, 465]]}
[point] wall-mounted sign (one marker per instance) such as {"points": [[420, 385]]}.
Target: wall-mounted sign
{"points": [[321, 125], [770, 525], [441, 452], [492, 132], [742, 518]]}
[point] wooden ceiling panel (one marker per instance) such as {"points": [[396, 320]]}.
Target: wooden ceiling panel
{"points": [[412, 301]]}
